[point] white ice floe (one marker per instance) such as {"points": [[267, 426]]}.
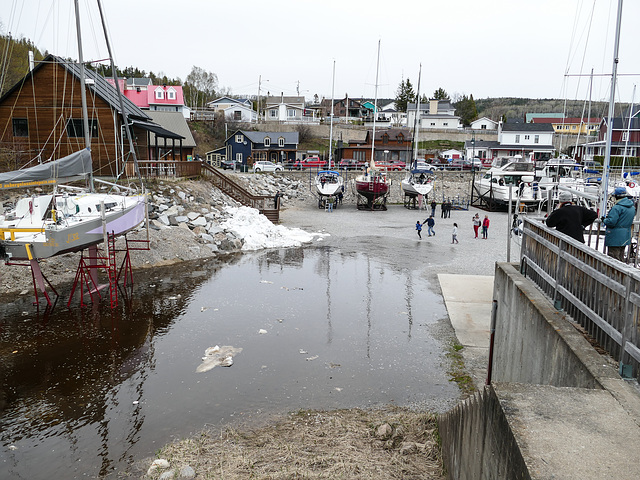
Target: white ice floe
{"points": [[258, 232], [217, 357]]}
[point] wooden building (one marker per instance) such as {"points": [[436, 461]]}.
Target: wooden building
{"points": [[391, 145], [41, 119]]}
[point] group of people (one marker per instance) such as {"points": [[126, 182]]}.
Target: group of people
{"points": [[484, 224], [445, 208], [572, 219], [430, 223]]}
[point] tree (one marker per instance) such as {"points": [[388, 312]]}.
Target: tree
{"points": [[404, 95], [441, 94], [466, 109], [200, 87]]}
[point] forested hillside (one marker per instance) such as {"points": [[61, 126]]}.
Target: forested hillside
{"points": [[516, 108], [14, 60]]}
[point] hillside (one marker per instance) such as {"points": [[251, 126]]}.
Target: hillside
{"points": [[516, 108]]}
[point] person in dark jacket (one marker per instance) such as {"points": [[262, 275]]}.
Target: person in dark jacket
{"points": [[618, 222], [571, 219]]}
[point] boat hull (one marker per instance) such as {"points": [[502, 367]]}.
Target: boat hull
{"points": [[413, 188], [372, 187], [332, 185], [74, 234]]}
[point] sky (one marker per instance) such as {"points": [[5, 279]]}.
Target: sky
{"points": [[494, 48]]}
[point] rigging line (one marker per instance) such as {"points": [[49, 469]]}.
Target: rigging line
{"points": [[586, 45], [573, 36]]}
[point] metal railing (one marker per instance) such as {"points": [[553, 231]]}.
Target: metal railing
{"points": [[601, 294]]}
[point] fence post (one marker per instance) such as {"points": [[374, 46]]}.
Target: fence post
{"points": [[557, 303], [626, 370]]}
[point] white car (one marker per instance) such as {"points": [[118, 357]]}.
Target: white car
{"points": [[262, 166], [421, 167]]}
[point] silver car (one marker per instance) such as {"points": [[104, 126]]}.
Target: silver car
{"points": [[264, 166]]}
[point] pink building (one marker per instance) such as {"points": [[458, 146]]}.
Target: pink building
{"points": [[146, 96]]}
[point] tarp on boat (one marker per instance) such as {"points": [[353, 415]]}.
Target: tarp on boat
{"points": [[72, 167]]}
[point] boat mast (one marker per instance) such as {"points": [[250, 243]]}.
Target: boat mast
{"points": [[626, 143], [415, 122], [83, 93], [607, 153], [333, 82], [121, 101], [375, 110]]}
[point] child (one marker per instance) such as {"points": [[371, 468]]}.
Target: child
{"points": [[419, 229], [454, 234]]}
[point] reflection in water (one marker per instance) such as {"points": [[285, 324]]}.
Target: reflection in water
{"points": [[87, 391]]}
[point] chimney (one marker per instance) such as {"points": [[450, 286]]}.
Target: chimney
{"points": [[31, 62]]}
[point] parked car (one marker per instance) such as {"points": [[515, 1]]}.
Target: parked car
{"points": [[460, 164], [421, 167], [440, 163], [477, 163], [309, 162], [264, 166], [351, 164], [396, 167], [229, 163]]}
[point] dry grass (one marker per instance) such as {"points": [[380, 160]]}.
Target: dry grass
{"points": [[340, 444]]}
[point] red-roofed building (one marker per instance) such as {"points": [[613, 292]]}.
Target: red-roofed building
{"points": [[159, 98]]}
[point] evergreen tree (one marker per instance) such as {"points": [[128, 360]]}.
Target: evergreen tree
{"points": [[466, 109], [404, 95], [441, 94]]}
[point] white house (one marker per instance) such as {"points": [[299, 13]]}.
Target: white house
{"points": [[222, 103], [434, 114], [535, 139], [240, 113], [484, 123], [284, 109], [451, 154]]}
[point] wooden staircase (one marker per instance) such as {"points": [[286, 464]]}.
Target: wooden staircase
{"points": [[263, 203]]}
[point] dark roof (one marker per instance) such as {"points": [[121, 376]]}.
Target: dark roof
{"points": [[482, 144], [101, 87], [527, 127], [623, 123], [258, 137], [157, 130]]}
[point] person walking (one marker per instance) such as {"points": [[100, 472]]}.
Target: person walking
{"points": [[430, 224], [448, 211], [454, 233], [485, 227], [476, 224], [330, 201], [618, 222], [571, 219], [433, 207], [443, 210], [419, 229]]}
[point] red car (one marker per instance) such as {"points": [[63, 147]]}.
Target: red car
{"points": [[351, 164], [396, 167], [310, 162]]}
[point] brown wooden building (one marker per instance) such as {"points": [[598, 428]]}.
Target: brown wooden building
{"points": [[41, 119], [391, 145]]}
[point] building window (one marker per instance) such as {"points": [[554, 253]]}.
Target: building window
{"points": [[281, 142], [171, 94], [358, 156], [385, 138], [237, 115], [267, 142], [445, 124], [239, 138], [517, 138], [291, 112], [536, 139], [159, 94], [400, 139], [239, 157], [20, 127], [483, 127], [433, 124], [625, 136], [526, 137], [273, 113], [75, 127]]}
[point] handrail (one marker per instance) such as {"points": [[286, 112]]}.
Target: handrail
{"points": [[263, 203], [598, 292]]}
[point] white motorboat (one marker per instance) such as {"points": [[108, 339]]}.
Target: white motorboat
{"points": [[328, 183]]}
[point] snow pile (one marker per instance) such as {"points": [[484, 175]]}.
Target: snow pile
{"points": [[258, 232]]}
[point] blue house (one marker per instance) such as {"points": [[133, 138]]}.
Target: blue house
{"points": [[248, 147]]}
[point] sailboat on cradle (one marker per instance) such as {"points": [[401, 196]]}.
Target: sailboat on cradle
{"points": [[373, 185], [329, 183], [70, 218], [418, 183]]}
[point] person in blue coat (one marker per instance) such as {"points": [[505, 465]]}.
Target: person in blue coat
{"points": [[618, 222]]}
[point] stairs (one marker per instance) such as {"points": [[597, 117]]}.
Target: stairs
{"points": [[263, 203]]}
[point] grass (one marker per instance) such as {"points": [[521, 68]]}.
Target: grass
{"points": [[311, 444], [457, 371]]}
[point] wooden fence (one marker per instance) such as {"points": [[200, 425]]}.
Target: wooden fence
{"points": [[599, 293]]}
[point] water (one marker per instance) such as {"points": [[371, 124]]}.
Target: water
{"points": [[87, 391]]}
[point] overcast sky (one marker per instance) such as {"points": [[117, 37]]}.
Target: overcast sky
{"points": [[491, 48]]}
